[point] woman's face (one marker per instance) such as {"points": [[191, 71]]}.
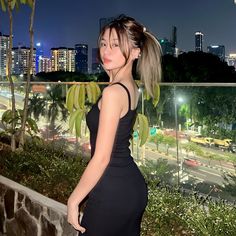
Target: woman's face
{"points": [[110, 53]]}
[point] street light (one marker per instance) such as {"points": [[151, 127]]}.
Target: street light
{"points": [[177, 100]]}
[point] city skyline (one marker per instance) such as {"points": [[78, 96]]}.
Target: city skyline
{"points": [[64, 24]]}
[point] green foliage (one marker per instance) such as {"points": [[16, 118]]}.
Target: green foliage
{"points": [[52, 171], [76, 98], [169, 213], [47, 169], [7, 119], [14, 4], [142, 127]]}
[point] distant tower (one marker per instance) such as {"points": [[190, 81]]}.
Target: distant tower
{"points": [[81, 58], [174, 37], [39, 54], [199, 41]]}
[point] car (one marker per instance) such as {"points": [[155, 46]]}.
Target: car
{"points": [[191, 162]]}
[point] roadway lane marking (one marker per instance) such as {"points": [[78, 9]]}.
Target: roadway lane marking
{"points": [[192, 171], [224, 167], [211, 173]]}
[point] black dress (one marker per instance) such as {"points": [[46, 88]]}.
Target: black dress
{"points": [[116, 204]]}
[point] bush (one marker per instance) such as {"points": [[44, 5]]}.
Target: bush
{"points": [[45, 168], [52, 171]]}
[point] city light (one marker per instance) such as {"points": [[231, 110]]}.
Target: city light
{"points": [[38, 44]]}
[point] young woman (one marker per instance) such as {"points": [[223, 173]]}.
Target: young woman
{"points": [[116, 188]]}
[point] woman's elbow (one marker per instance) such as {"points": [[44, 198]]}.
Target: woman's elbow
{"points": [[102, 160]]}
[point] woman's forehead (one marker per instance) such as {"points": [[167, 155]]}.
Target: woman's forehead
{"points": [[110, 33]]}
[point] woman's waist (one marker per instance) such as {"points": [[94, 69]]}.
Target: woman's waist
{"points": [[121, 160]]}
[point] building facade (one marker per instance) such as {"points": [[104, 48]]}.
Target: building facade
{"points": [[63, 59], [45, 64], [39, 54], [81, 58], [231, 60], [4, 47], [96, 66], [20, 60], [218, 50], [199, 41], [167, 47]]}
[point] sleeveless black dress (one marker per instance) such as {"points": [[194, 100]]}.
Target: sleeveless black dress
{"points": [[116, 204]]}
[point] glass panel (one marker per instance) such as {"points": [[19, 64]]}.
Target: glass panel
{"points": [[191, 140]]}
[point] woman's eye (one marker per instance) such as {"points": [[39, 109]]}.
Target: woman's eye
{"points": [[115, 45], [102, 44]]}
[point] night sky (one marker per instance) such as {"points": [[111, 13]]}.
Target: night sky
{"points": [[67, 22]]}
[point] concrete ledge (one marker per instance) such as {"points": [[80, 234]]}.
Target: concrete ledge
{"points": [[26, 212]]}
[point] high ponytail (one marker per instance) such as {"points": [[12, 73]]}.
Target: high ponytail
{"points": [[149, 63]]}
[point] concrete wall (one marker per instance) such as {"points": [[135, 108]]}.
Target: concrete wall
{"points": [[24, 212]]}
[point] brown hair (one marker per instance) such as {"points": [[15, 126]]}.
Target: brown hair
{"points": [[134, 34]]}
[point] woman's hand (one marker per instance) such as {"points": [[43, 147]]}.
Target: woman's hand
{"points": [[73, 216]]}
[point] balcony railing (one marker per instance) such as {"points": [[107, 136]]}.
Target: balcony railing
{"points": [[192, 131]]}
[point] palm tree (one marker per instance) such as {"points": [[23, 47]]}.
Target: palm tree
{"points": [[37, 106], [56, 106]]}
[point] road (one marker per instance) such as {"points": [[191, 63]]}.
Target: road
{"points": [[211, 171], [5, 99]]}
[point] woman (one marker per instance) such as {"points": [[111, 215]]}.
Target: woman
{"points": [[116, 188]]}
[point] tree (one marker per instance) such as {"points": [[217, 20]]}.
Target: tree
{"points": [[29, 72], [9, 6]]}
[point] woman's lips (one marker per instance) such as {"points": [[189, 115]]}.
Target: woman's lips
{"points": [[106, 61]]}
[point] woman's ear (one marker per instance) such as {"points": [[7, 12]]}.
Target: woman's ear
{"points": [[135, 53]]}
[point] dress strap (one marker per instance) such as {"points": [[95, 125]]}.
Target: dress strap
{"points": [[126, 91]]}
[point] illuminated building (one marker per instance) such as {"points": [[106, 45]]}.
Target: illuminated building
{"points": [[20, 60], [39, 54], [231, 60], [45, 64], [167, 47], [198, 41], [63, 59], [4, 46], [218, 50]]}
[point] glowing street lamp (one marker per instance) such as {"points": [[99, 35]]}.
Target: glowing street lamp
{"points": [[177, 100]]}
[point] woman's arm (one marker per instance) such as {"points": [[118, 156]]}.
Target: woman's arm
{"points": [[110, 112]]}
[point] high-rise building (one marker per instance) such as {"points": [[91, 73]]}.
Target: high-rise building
{"points": [[174, 36], [45, 64], [20, 60], [4, 46], [231, 60], [218, 50], [96, 66], [63, 59], [81, 58], [199, 41], [39, 54], [167, 47]]}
